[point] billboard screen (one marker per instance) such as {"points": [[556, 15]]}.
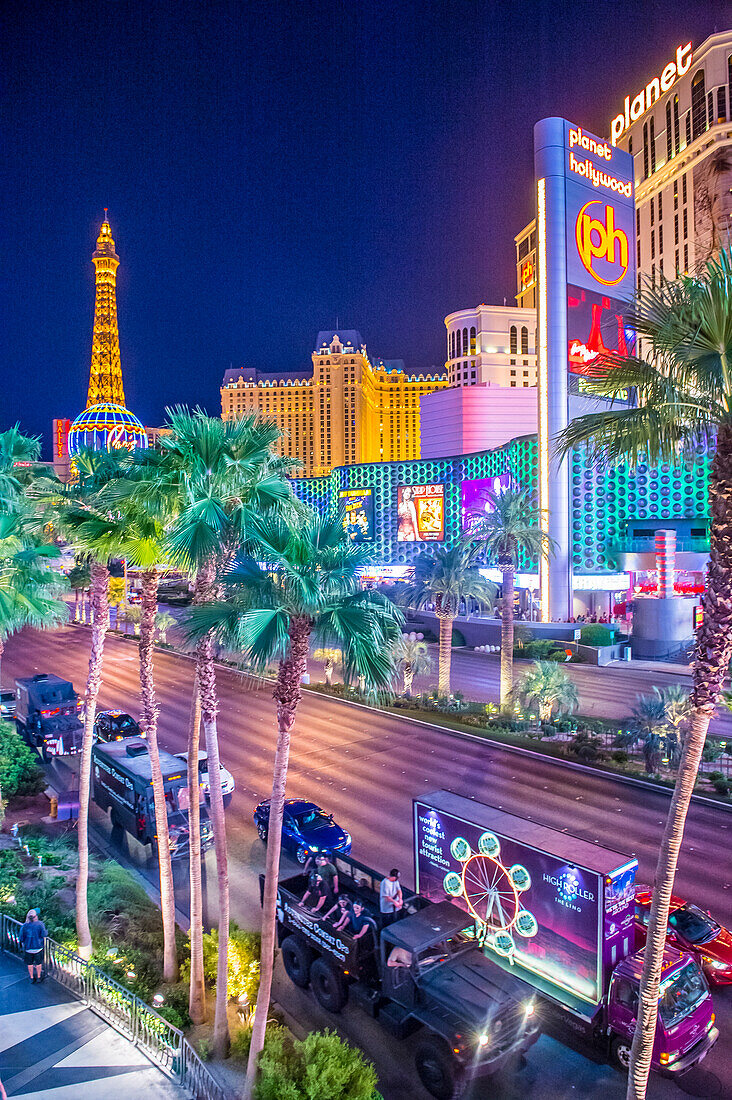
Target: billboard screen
{"points": [[421, 513], [357, 513], [595, 328], [475, 497], [540, 913]]}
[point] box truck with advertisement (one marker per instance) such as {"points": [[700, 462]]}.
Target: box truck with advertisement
{"points": [[558, 912]]}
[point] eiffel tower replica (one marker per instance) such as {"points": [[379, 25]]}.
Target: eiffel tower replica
{"points": [[105, 379]]}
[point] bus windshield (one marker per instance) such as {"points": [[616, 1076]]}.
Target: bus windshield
{"points": [[680, 994]]}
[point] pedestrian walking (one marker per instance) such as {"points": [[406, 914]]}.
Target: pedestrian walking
{"points": [[32, 938], [390, 897]]}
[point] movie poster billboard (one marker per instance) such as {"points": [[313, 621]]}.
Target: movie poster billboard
{"points": [[541, 914], [421, 513], [357, 513], [476, 498]]}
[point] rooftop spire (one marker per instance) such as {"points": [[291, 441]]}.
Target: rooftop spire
{"points": [[105, 380]]}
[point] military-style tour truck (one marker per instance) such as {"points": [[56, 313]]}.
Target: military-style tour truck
{"points": [[475, 1018], [47, 714]]}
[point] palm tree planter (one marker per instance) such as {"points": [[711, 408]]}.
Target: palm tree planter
{"points": [[684, 396], [413, 658]]}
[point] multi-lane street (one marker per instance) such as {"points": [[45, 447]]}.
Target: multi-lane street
{"points": [[366, 767]]}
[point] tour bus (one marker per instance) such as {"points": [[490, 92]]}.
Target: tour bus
{"points": [[122, 786]]}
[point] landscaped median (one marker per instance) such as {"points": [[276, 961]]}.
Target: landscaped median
{"points": [[612, 747]]}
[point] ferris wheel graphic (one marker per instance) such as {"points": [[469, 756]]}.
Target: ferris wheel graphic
{"points": [[492, 892]]}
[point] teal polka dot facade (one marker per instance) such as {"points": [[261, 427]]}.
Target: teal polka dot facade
{"points": [[604, 499]]}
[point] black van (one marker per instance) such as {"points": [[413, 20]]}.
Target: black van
{"points": [[122, 784]]}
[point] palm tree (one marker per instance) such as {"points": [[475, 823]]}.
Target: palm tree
{"points": [[28, 587], [212, 476], [548, 684], [648, 726], [330, 658], [73, 509], [412, 658], [79, 580], [684, 398], [509, 532], [446, 577], [309, 589], [15, 448], [137, 534]]}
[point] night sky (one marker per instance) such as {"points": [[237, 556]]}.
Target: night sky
{"points": [[270, 167]]}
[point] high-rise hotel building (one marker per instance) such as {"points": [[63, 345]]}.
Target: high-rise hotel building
{"points": [[346, 409], [678, 128]]}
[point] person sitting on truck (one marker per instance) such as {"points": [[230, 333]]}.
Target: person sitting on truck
{"points": [[317, 894], [357, 923], [339, 911]]}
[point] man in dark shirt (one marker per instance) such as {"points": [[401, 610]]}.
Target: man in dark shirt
{"points": [[317, 897], [327, 871]]}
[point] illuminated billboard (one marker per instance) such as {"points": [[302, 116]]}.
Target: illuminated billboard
{"points": [[476, 498], [596, 328], [544, 918], [357, 513], [586, 268], [421, 513]]}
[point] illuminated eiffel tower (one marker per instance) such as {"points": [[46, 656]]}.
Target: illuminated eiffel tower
{"points": [[105, 379]]}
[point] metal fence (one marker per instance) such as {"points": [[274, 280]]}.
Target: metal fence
{"points": [[163, 1044]]}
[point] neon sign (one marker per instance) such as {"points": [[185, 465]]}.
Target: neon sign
{"points": [[597, 240], [645, 99], [527, 273]]}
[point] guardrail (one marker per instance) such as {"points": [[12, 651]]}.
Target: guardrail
{"points": [[163, 1044]]}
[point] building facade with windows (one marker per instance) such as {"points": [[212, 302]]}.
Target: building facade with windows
{"points": [[679, 131], [493, 346], [346, 409]]}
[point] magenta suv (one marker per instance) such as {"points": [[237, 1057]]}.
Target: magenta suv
{"points": [[685, 1032]]}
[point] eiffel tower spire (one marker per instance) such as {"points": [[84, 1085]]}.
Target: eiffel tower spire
{"points": [[105, 379]]}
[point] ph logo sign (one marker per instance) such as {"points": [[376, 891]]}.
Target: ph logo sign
{"points": [[603, 249]]}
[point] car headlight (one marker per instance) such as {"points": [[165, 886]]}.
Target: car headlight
{"points": [[483, 1040], [348, 838]]}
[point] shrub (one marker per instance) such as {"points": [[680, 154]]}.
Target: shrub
{"points": [[620, 757], [586, 748], [722, 786], [244, 954], [596, 634], [20, 772], [322, 1067]]}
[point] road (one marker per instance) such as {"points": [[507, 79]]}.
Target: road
{"points": [[366, 767]]}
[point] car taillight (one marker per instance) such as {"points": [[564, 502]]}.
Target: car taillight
{"points": [[50, 713]]}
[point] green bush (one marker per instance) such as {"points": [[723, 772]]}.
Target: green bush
{"points": [[244, 954], [20, 771], [596, 634], [722, 786], [620, 757], [586, 748], [458, 638], [241, 1041], [322, 1067]]}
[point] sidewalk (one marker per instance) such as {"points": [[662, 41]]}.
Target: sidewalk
{"points": [[52, 1047]]}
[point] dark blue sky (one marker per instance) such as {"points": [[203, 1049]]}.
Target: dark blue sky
{"points": [[270, 166]]}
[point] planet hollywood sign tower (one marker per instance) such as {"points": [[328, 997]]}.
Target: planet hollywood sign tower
{"points": [[586, 278]]}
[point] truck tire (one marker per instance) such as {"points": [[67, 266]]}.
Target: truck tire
{"points": [[620, 1053], [438, 1070], [297, 958], [329, 986]]}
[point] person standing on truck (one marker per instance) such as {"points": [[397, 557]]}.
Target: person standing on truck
{"points": [[327, 871], [32, 937], [390, 897]]}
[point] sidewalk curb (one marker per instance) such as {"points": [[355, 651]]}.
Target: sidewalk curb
{"points": [[629, 780]]}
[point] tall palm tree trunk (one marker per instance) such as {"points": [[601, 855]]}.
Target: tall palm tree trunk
{"points": [[209, 707], [507, 640], [197, 990], [100, 626], [408, 673], [150, 711], [287, 693], [711, 660], [2, 651], [446, 619]]}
